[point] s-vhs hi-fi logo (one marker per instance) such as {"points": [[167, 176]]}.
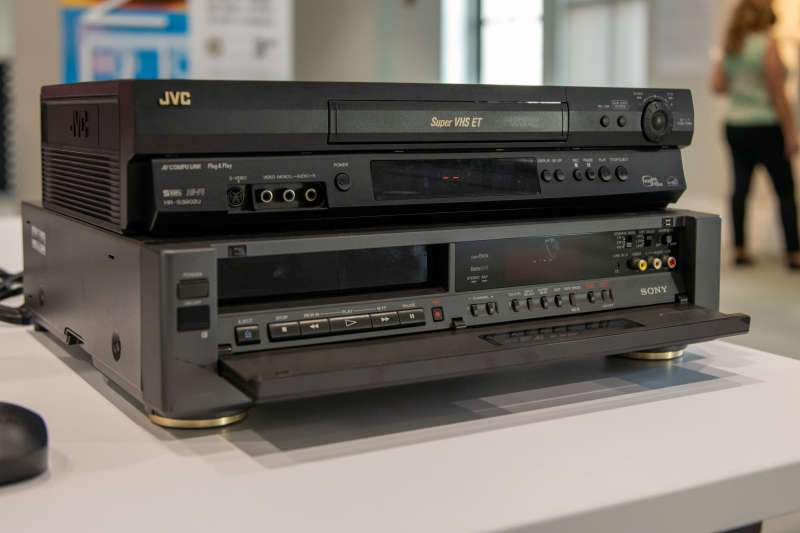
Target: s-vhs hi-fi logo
{"points": [[80, 124], [175, 98]]}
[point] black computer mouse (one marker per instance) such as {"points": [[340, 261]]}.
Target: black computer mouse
{"points": [[23, 444]]}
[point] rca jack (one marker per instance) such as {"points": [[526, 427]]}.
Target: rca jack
{"points": [[288, 195], [310, 195], [637, 263], [654, 263], [266, 196], [670, 261]]}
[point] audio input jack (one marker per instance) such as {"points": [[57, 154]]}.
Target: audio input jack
{"points": [[654, 263], [637, 263], [310, 195], [669, 261], [266, 196], [288, 195]]}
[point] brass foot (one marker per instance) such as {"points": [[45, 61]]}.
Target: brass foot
{"points": [[178, 423], [655, 355]]}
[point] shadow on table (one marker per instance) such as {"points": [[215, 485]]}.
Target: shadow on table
{"points": [[332, 426]]}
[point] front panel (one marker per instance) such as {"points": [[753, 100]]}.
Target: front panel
{"points": [[272, 298], [352, 184]]}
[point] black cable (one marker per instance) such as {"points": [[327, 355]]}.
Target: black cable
{"points": [[10, 286]]}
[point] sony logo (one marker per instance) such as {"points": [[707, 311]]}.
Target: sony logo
{"points": [[176, 98], [649, 291]]}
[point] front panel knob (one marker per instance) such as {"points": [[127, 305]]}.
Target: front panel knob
{"points": [[657, 121]]}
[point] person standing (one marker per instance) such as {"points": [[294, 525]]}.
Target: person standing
{"points": [[759, 125]]}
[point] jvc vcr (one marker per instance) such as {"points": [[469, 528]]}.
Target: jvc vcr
{"points": [[173, 157]]}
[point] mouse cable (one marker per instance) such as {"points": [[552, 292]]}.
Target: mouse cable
{"points": [[10, 286]]}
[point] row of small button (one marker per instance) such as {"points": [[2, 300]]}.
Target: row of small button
{"points": [[590, 174], [574, 299], [605, 121], [283, 331], [489, 308], [197, 317]]}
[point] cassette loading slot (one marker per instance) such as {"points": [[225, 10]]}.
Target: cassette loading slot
{"points": [[421, 122], [297, 373]]}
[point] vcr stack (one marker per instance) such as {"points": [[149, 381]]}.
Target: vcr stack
{"points": [[213, 245]]}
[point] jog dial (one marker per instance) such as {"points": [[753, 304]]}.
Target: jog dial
{"points": [[657, 121]]}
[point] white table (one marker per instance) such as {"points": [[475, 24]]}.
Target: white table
{"points": [[704, 444]]}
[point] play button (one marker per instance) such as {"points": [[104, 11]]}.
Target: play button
{"points": [[350, 324]]}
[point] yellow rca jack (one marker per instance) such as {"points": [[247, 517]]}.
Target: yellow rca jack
{"points": [[266, 196], [637, 263], [654, 263]]}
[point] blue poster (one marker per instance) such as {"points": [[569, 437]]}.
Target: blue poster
{"points": [[113, 39]]}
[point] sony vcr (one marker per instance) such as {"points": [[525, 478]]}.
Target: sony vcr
{"points": [[161, 157], [197, 328]]}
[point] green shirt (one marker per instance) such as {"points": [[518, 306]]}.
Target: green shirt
{"points": [[750, 104]]}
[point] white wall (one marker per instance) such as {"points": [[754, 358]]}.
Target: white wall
{"points": [[367, 40], [6, 34], [35, 63]]}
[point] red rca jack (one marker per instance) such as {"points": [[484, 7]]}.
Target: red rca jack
{"points": [[654, 263], [637, 263], [670, 261]]}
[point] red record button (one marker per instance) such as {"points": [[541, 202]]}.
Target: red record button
{"points": [[438, 314]]}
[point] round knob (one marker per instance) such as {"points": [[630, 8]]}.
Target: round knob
{"points": [[657, 121]]}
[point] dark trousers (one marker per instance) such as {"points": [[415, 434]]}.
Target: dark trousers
{"points": [[751, 145]]}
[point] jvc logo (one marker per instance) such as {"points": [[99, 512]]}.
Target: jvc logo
{"points": [[80, 124], [649, 291], [176, 98]]}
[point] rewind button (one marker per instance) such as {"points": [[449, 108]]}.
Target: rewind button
{"points": [[385, 320], [350, 324], [315, 328]]}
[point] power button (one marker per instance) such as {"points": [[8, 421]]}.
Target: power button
{"points": [[342, 182]]}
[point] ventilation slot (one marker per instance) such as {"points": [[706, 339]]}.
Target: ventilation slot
{"points": [[82, 182]]}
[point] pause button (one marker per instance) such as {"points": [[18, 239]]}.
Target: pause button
{"points": [[412, 317]]}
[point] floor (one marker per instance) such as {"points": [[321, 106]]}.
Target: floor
{"points": [[767, 292]]}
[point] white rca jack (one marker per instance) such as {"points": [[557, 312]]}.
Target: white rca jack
{"points": [[288, 195], [655, 263]]}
